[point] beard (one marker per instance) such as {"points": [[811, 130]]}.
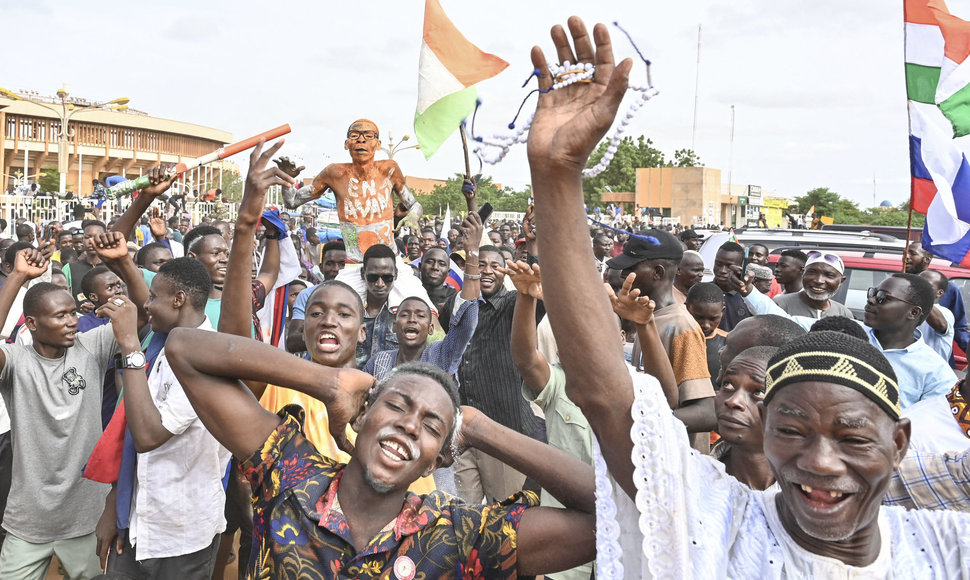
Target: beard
{"points": [[820, 297], [376, 485]]}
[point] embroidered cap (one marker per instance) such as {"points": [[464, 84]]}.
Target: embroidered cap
{"points": [[835, 357], [647, 245]]}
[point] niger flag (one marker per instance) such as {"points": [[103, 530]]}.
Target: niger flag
{"points": [[449, 67]]}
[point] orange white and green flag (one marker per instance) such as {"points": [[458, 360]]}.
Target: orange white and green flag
{"points": [[448, 70]]}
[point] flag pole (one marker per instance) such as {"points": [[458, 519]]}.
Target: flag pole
{"points": [[470, 201], [464, 146]]}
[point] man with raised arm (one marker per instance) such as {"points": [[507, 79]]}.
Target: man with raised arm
{"points": [[365, 190], [314, 517], [833, 431], [52, 391]]}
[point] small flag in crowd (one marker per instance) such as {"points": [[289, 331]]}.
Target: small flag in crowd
{"points": [[938, 89], [449, 68]]}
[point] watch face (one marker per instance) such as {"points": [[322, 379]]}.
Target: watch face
{"points": [[135, 359]]}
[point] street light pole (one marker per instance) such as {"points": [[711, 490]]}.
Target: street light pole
{"points": [[394, 148], [65, 113]]}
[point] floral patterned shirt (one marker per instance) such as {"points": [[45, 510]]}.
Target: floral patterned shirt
{"points": [[298, 532]]}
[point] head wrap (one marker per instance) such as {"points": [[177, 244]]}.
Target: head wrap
{"points": [[829, 258], [837, 358]]}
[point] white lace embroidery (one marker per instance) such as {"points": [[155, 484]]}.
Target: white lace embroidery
{"points": [[608, 550]]}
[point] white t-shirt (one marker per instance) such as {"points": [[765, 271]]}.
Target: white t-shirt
{"points": [[934, 428], [179, 501]]}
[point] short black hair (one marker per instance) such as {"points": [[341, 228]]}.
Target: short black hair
{"points": [[142, 254], [191, 277], [939, 281], [25, 227], [432, 372], [427, 229], [345, 286], [193, 236], [798, 255], [753, 246], [331, 246], [10, 254], [705, 293], [87, 282], [85, 224], [731, 248], [416, 299], [920, 292], [63, 233], [35, 294], [493, 249], [760, 353], [842, 324], [68, 255], [775, 329], [379, 251]]}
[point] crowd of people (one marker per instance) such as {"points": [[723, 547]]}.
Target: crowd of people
{"points": [[479, 399]]}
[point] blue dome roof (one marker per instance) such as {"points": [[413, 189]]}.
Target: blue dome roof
{"points": [[886, 203]]}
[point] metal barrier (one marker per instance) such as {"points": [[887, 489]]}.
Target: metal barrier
{"points": [[42, 209]]}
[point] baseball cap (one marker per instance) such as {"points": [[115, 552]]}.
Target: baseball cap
{"points": [[647, 245]]}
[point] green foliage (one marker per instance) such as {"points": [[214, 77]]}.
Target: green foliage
{"points": [[621, 174], [505, 199], [829, 203], [686, 158], [49, 180], [232, 186]]}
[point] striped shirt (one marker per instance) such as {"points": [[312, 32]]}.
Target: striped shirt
{"points": [[487, 377]]}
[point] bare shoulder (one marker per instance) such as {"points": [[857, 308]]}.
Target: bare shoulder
{"points": [[389, 167]]}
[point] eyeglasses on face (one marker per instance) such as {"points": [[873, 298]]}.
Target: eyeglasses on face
{"points": [[880, 296], [373, 278], [367, 135]]}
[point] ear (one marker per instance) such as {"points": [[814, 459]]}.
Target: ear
{"points": [[92, 297], [362, 335], [31, 323], [438, 462], [362, 273], [901, 435], [179, 299], [346, 144]]}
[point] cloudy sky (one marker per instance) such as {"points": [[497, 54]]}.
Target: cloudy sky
{"points": [[818, 87]]}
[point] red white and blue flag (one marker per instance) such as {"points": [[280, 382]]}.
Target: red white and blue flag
{"points": [[938, 90]]}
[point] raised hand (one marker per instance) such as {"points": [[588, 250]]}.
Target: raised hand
{"points": [[529, 223], [630, 305], [260, 178], [470, 191], [570, 121], [462, 440], [109, 246], [471, 229], [30, 264], [347, 404], [159, 184], [526, 279], [157, 225], [285, 164]]}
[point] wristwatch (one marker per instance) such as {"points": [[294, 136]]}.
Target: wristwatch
{"points": [[135, 360]]}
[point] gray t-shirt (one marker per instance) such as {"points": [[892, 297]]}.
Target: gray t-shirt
{"points": [[55, 421], [794, 306]]}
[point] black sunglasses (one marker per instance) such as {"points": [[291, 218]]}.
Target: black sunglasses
{"points": [[373, 278], [880, 296]]}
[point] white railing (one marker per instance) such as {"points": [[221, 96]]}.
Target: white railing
{"points": [[43, 209]]}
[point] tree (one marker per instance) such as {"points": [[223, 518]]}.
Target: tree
{"points": [[621, 174], [686, 158], [232, 186], [49, 180], [449, 194], [829, 203], [897, 216]]}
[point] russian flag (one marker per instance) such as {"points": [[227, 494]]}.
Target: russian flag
{"points": [[454, 278], [938, 90]]}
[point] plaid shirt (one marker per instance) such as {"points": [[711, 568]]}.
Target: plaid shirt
{"points": [[932, 481]]}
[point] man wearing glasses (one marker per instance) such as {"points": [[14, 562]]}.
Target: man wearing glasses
{"points": [[364, 189], [894, 311]]}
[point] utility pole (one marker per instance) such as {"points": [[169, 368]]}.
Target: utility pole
{"points": [[697, 86]]}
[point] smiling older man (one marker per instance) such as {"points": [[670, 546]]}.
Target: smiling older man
{"points": [[831, 413]]}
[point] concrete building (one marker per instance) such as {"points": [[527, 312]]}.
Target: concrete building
{"points": [[697, 196], [101, 143]]}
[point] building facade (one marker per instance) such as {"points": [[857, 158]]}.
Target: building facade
{"points": [[102, 143]]}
